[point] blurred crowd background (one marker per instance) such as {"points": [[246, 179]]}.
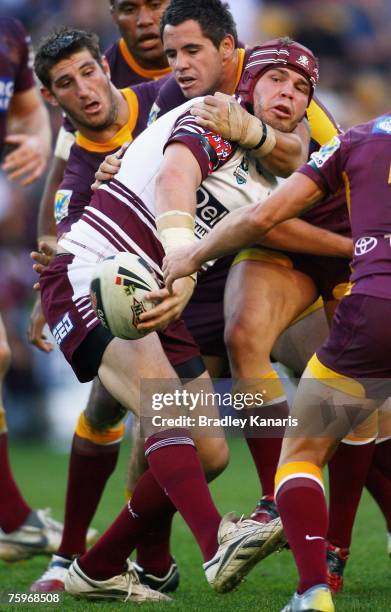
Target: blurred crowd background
{"points": [[352, 40]]}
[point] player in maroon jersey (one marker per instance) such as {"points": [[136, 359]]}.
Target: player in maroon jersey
{"points": [[24, 126], [137, 57], [350, 373]]}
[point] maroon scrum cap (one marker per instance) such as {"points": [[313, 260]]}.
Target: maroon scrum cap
{"points": [[277, 52]]}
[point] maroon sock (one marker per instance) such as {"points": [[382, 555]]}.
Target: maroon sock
{"points": [[174, 462], [266, 451], [13, 508], [108, 556], [90, 467], [348, 471], [153, 549], [302, 507], [382, 457], [379, 487]]}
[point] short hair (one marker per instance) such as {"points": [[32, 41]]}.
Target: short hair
{"points": [[214, 17], [61, 44]]}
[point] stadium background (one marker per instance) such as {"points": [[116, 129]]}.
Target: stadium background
{"points": [[352, 40]]}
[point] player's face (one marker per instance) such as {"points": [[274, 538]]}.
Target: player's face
{"points": [[83, 90], [281, 98], [194, 60], [138, 21]]}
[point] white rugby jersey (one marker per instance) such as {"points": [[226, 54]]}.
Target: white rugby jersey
{"points": [[230, 179]]}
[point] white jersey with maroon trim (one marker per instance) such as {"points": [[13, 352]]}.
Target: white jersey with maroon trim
{"points": [[230, 179]]}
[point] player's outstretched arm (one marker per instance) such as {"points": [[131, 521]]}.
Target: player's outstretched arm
{"points": [[244, 226], [281, 153], [28, 129], [301, 237]]}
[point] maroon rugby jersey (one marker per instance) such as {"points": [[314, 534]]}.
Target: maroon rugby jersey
{"points": [[170, 95], [360, 161], [125, 71], [85, 157], [15, 66]]}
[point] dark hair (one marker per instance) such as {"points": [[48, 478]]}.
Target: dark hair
{"points": [[214, 17], [61, 44]]}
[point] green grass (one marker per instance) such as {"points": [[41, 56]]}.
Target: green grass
{"points": [[41, 475]]}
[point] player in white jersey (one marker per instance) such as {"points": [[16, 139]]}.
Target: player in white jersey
{"points": [[121, 219]]}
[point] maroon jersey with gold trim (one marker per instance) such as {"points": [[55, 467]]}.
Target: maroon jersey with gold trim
{"points": [[85, 157], [15, 66], [125, 71], [360, 161]]}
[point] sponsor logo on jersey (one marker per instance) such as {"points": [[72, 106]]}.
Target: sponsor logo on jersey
{"points": [[209, 212], [364, 245], [62, 329], [320, 157], [241, 171], [6, 93], [61, 204], [153, 113], [382, 125]]}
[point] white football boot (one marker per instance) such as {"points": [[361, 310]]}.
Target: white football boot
{"points": [[40, 534], [241, 545], [54, 577], [316, 599], [124, 587]]}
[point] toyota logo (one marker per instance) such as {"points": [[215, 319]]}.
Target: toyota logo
{"points": [[364, 245]]}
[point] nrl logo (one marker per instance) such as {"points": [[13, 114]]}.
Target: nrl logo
{"points": [[241, 172], [303, 60], [137, 309]]}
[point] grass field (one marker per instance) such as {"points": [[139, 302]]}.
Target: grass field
{"points": [[42, 474]]}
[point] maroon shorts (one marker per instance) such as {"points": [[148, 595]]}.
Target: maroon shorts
{"points": [[359, 345], [326, 272], [204, 314], [68, 311], [330, 275]]}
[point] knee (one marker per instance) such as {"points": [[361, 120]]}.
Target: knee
{"points": [[215, 460], [242, 340]]}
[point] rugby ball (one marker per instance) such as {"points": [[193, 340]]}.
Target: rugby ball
{"points": [[117, 292]]}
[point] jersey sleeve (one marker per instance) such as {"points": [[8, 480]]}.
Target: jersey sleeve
{"points": [[210, 150], [326, 166], [24, 78]]}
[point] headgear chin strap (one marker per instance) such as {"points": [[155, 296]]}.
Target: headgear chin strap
{"points": [[273, 53]]}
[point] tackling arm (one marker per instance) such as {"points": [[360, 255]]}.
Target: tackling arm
{"points": [[301, 237], [244, 226], [281, 153]]}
